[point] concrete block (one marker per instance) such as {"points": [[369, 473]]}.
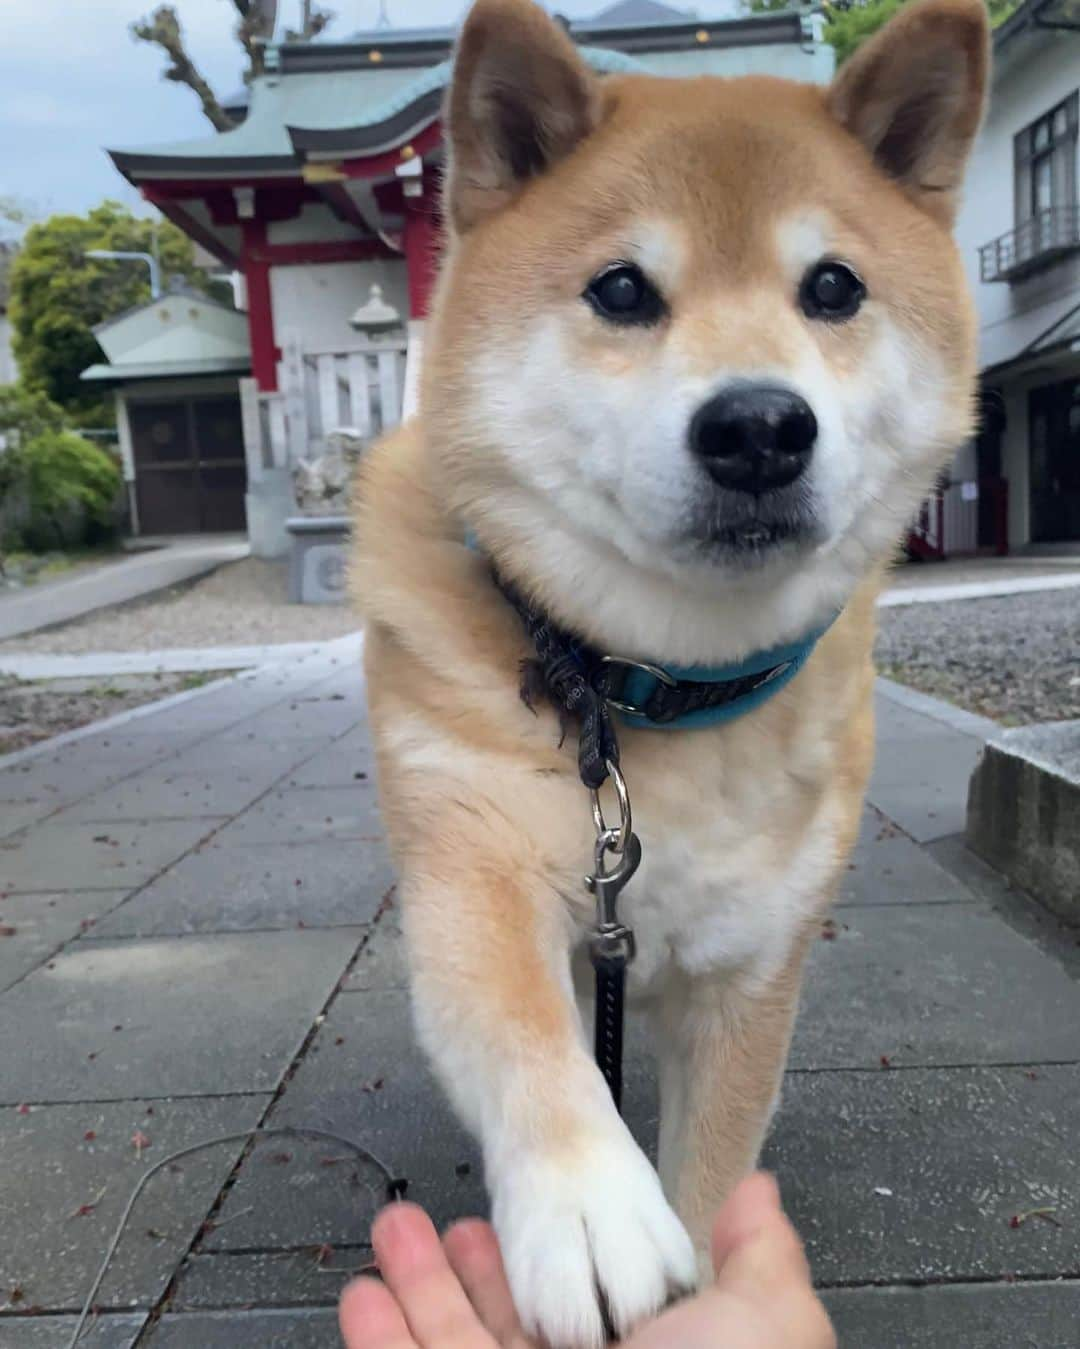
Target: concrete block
{"points": [[318, 558], [269, 503], [1024, 812]]}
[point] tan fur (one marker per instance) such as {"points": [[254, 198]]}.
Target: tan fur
{"points": [[486, 816]]}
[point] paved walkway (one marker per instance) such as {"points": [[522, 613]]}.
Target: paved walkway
{"points": [[199, 937], [114, 582], [977, 578]]}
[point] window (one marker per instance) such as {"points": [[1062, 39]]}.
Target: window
{"points": [[1046, 173]]}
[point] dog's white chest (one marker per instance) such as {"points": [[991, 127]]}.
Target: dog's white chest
{"points": [[722, 898]]}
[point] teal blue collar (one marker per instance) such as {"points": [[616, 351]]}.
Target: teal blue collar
{"points": [[657, 696], [725, 691]]}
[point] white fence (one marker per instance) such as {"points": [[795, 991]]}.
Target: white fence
{"points": [[359, 389]]}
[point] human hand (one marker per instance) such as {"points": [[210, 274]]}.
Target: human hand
{"points": [[454, 1295]]}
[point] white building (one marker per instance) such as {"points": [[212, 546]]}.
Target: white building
{"points": [[175, 365], [1019, 232]]}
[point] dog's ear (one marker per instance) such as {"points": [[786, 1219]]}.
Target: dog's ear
{"points": [[914, 95], [521, 98]]}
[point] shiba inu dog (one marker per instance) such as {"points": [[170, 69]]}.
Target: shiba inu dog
{"points": [[698, 350]]}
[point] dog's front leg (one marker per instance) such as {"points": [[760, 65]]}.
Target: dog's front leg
{"points": [[722, 1044], [584, 1227]]}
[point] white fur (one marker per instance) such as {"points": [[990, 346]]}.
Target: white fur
{"points": [[595, 1218], [599, 484]]}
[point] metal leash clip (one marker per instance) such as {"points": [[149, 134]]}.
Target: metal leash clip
{"points": [[611, 939], [611, 943]]}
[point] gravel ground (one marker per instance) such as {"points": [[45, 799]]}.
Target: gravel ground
{"points": [[241, 604], [34, 711], [1015, 658]]}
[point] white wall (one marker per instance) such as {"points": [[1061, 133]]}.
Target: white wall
{"points": [[1035, 72], [315, 221], [314, 302]]}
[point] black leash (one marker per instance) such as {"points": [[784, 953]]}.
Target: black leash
{"points": [[575, 681], [611, 949]]}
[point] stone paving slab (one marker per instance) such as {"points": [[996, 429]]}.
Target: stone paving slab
{"points": [[51, 1249], [198, 1015], [347, 761], [54, 1332], [308, 815], [34, 926], [932, 984], [258, 886], [58, 855], [960, 1151], [248, 1330], [886, 867], [165, 794], [309, 1276], [72, 773], [314, 713], [974, 1316], [366, 1078], [78, 856], [17, 815], [269, 758], [382, 964], [291, 709], [921, 773]]}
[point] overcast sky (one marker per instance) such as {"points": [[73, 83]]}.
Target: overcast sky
{"points": [[72, 81]]}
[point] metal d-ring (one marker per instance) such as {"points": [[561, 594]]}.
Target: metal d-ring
{"points": [[657, 672], [620, 835]]}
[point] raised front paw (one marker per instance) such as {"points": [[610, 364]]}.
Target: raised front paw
{"points": [[589, 1242]]}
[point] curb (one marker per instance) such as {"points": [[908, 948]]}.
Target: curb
{"points": [[956, 718], [43, 747], [329, 649], [976, 590]]}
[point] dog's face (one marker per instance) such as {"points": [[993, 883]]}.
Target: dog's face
{"points": [[712, 326]]}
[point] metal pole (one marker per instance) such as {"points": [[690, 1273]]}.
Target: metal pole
{"points": [[124, 256]]}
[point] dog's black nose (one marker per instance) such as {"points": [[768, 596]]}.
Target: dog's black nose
{"points": [[754, 437]]}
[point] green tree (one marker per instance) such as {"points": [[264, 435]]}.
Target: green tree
{"points": [[24, 418], [848, 23], [73, 488], [58, 294]]}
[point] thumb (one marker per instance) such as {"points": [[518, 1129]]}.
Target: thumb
{"points": [[754, 1245]]}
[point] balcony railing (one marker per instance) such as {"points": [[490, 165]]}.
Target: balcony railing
{"points": [[1049, 235]]}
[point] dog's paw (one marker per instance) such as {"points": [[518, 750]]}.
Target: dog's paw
{"points": [[589, 1243]]}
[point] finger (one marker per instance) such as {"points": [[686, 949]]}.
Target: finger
{"points": [[371, 1319], [474, 1255], [754, 1204], [753, 1228], [415, 1269], [760, 1259]]}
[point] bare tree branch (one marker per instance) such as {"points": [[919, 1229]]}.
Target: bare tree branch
{"points": [[313, 20], [253, 32], [254, 29], [162, 29]]}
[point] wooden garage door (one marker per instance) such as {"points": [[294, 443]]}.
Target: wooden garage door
{"points": [[190, 475]]}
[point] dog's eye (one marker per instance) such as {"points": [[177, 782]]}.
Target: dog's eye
{"points": [[624, 294], [830, 290]]}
